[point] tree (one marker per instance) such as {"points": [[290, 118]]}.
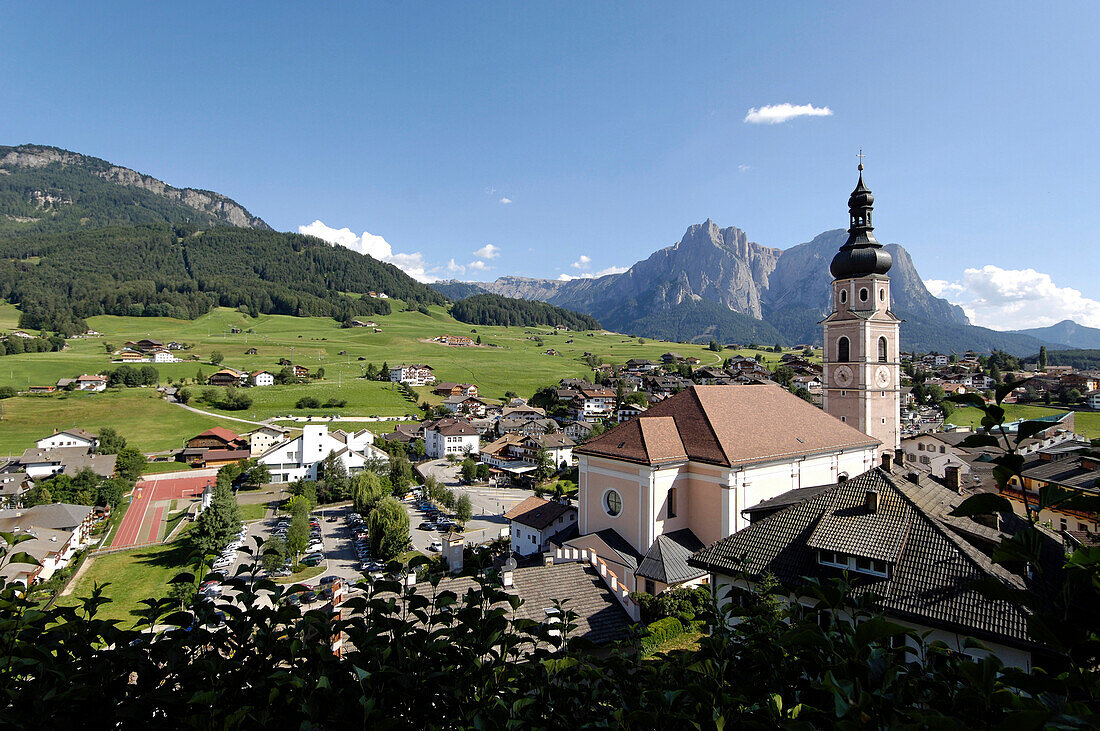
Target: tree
{"points": [[333, 483], [110, 441], [1072, 396], [469, 470], [305, 489], [401, 474], [182, 592], [297, 535], [544, 465], [130, 463], [483, 471], [111, 491], [274, 554], [216, 357], [464, 508], [219, 522], [714, 346], [1042, 357], [995, 372], [783, 375], [388, 527], [366, 490], [804, 393], [321, 373]]}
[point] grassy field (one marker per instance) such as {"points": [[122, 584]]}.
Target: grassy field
{"points": [[253, 511], [133, 576], [147, 421], [1087, 423], [516, 363]]}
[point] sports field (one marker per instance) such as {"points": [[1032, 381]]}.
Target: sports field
{"points": [[150, 505]]}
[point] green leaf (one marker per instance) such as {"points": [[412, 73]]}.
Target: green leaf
{"points": [[1006, 388], [1029, 429], [979, 440], [22, 557], [968, 399], [982, 504], [182, 578]]}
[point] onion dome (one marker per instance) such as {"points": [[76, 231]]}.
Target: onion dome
{"points": [[861, 254]]}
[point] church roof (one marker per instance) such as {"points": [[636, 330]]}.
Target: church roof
{"points": [[667, 559], [727, 425]]}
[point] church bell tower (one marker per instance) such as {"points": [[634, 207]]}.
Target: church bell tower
{"points": [[861, 379]]}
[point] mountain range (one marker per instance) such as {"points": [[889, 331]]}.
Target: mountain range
{"points": [[716, 284], [713, 284]]}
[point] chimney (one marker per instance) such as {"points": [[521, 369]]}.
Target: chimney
{"points": [[506, 572], [548, 558], [914, 478], [454, 545], [410, 578], [952, 478], [870, 501], [888, 461], [842, 478], [899, 457]]}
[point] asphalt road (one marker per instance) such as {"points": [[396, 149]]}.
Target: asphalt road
{"points": [[489, 505]]}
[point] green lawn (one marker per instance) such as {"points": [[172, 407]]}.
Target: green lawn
{"points": [[253, 511], [147, 421], [518, 363], [1086, 423], [156, 468], [133, 575]]}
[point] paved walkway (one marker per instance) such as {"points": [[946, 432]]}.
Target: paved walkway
{"points": [[215, 416]]}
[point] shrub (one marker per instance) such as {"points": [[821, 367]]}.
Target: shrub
{"points": [[660, 632], [307, 402]]}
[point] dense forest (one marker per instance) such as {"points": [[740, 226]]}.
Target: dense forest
{"points": [[492, 309], [80, 194], [1080, 359], [160, 270], [456, 291], [691, 320]]}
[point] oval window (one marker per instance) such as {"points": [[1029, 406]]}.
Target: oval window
{"points": [[863, 295], [612, 503], [882, 295], [843, 296]]}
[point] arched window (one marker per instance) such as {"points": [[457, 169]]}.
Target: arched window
{"points": [[863, 294], [882, 350], [670, 512], [843, 296], [843, 354]]}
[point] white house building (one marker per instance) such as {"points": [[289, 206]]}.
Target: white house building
{"points": [[535, 521], [162, 355], [450, 435], [264, 438], [263, 378], [416, 374], [68, 438], [297, 458]]}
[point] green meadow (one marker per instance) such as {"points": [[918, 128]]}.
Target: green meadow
{"points": [[1086, 423], [508, 359]]}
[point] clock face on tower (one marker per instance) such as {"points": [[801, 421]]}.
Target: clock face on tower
{"points": [[882, 376], [843, 376]]}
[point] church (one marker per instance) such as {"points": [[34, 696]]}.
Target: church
{"points": [[659, 487]]}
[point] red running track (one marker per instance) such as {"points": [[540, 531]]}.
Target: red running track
{"points": [[148, 492]]}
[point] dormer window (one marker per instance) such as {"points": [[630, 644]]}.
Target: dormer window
{"points": [[859, 564]]}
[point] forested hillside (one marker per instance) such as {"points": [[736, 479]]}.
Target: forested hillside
{"points": [[47, 189], [492, 309], [159, 270], [1080, 359]]}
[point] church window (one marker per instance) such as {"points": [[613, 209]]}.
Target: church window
{"points": [[843, 296], [882, 295], [650, 587], [612, 503], [843, 349], [670, 512], [863, 294], [882, 348]]}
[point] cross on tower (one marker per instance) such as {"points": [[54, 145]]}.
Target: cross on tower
{"points": [[861, 156]]}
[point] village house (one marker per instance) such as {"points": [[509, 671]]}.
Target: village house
{"points": [[456, 340], [13, 486], [416, 374], [469, 405], [364, 323], [297, 459], [454, 389], [525, 412], [593, 403], [227, 377], [535, 522], [1092, 399], [627, 412], [215, 448], [162, 355], [252, 351], [1069, 470], [641, 365], [578, 431], [517, 454], [45, 463], [264, 438], [300, 371], [895, 537], [145, 345], [263, 378], [450, 435], [69, 438], [694, 460], [57, 531]]}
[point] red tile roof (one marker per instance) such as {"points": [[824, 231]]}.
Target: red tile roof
{"points": [[727, 425]]}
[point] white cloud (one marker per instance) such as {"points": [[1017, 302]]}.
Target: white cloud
{"points": [[582, 262], [779, 113], [505, 201], [743, 168], [376, 246], [478, 265], [488, 252], [1014, 299], [592, 275], [454, 268]]}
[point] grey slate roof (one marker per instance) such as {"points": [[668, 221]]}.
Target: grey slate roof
{"points": [[932, 575], [56, 516], [609, 545], [788, 498], [667, 559]]}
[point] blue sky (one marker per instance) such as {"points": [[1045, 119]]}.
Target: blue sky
{"points": [[610, 129]]}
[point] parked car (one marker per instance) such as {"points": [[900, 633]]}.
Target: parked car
{"points": [[312, 559], [328, 579], [309, 597], [435, 546], [426, 526]]}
